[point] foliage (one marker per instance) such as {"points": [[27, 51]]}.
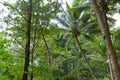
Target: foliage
{"points": [[54, 53]]}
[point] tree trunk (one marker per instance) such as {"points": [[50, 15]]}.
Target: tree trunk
{"points": [[110, 68], [101, 16], [33, 48], [27, 47], [85, 59], [47, 49]]}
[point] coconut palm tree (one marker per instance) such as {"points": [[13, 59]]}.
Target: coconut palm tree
{"points": [[101, 12], [78, 20]]}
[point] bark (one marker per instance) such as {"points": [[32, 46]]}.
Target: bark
{"points": [[110, 68], [101, 16], [27, 47], [85, 59]]}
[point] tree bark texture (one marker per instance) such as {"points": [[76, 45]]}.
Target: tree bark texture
{"points": [[101, 16], [27, 47]]}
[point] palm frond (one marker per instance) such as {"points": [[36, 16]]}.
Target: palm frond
{"points": [[87, 36], [80, 8], [67, 6], [68, 42], [85, 17], [76, 3], [62, 22], [111, 21]]}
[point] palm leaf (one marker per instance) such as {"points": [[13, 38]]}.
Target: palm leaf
{"points": [[85, 17], [67, 6], [80, 8], [64, 23], [111, 20], [76, 3], [87, 36]]}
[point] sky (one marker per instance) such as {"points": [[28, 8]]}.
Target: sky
{"points": [[116, 16]]}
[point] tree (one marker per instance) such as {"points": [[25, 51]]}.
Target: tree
{"points": [[27, 47], [40, 26], [73, 19], [101, 16], [72, 51]]}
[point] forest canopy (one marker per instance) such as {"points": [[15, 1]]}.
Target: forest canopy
{"points": [[58, 40]]}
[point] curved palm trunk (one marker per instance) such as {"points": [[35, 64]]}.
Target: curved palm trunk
{"points": [[85, 59], [27, 47], [101, 16]]}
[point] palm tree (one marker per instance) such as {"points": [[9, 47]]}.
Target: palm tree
{"points": [[101, 12], [79, 21]]}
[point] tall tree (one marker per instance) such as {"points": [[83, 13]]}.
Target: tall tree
{"points": [[27, 47], [74, 19], [101, 16]]}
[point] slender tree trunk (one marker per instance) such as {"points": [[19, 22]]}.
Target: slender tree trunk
{"points": [[85, 59], [47, 48], [48, 54], [27, 47], [101, 16], [33, 48]]}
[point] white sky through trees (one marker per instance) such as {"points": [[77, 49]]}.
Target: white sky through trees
{"points": [[2, 8], [117, 17]]}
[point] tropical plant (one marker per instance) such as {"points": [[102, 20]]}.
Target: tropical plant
{"points": [[102, 19], [73, 20]]}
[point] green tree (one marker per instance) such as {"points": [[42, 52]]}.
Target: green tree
{"points": [[101, 15], [40, 27], [27, 47], [74, 19]]}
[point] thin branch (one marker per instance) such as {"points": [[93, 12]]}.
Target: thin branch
{"points": [[17, 11], [20, 43], [21, 14], [47, 48]]}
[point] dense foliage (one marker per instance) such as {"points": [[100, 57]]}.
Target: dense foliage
{"points": [[65, 43]]}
